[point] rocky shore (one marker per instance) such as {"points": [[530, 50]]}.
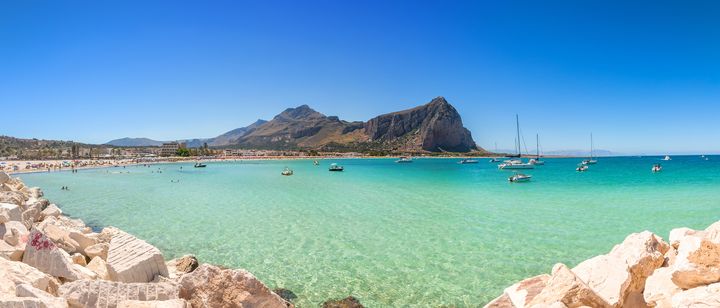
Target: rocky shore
{"points": [[50, 260], [642, 271]]}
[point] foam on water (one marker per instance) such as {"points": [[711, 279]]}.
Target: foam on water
{"points": [[429, 233]]}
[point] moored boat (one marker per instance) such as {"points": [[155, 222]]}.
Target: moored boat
{"points": [[336, 167], [656, 168], [404, 160], [468, 161], [287, 171], [199, 165], [519, 178], [516, 163], [667, 157], [582, 168]]}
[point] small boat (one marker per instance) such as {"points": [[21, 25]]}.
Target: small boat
{"points": [[335, 167], [316, 163], [404, 160], [494, 160], [199, 165], [536, 161], [582, 168], [519, 178], [590, 161], [667, 158], [287, 171], [468, 161], [656, 168], [516, 163]]}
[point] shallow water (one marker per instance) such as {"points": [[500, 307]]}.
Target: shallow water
{"points": [[426, 234]]}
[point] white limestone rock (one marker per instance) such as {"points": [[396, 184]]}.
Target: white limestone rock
{"points": [[678, 234], [565, 288], [102, 293], [172, 303], [43, 254], [26, 290], [51, 210], [12, 252], [700, 297], [4, 177], [659, 288], [99, 267], [622, 272], [98, 250], [523, 292], [12, 211], [13, 232], [697, 263], [133, 260], [13, 273], [78, 259]]}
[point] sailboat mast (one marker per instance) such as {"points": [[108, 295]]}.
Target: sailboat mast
{"points": [[517, 127], [537, 145], [591, 146]]}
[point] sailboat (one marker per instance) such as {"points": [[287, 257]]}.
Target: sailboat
{"points": [[516, 163], [590, 161], [667, 157], [536, 161], [495, 159]]}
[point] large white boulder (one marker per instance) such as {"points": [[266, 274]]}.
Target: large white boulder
{"points": [[4, 177], [523, 292], [50, 210], [622, 272], [659, 288], [697, 263], [48, 300], [172, 303], [700, 297], [133, 260], [13, 232], [502, 301], [211, 286], [678, 234], [99, 267], [97, 250], [13, 273], [564, 288], [11, 252], [12, 211], [43, 254], [102, 293]]}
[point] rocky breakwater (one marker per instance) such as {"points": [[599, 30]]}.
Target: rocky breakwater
{"points": [[642, 271], [50, 260]]}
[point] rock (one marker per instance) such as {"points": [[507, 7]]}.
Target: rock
{"points": [[4, 217], [523, 292], [43, 254], [186, 264], [60, 237], [348, 302], [26, 290], [173, 303], [83, 240], [13, 232], [565, 288], [12, 211], [51, 210], [13, 273], [78, 259], [12, 197], [133, 260], [285, 294], [670, 257], [678, 234], [697, 263], [99, 267], [503, 301], [659, 288], [4, 178], [35, 192], [85, 272], [30, 302], [97, 250], [10, 252], [102, 293], [211, 286], [706, 296], [622, 272]]}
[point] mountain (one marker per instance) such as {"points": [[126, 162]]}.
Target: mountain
{"points": [[134, 142], [235, 134], [433, 127]]}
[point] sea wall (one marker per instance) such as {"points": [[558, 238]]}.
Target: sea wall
{"points": [[50, 260], [642, 271]]}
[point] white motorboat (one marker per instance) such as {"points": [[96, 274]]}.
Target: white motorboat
{"points": [[287, 171], [582, 168], [494, 160], [516, 165], [656, 168], [519, 178], [336, 167], [404, 160], [468, 161], [667, 158]]}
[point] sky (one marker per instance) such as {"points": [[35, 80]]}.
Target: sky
{"points": [[642, 76]]}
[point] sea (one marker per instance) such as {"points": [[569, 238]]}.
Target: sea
{"points": [[431, 233]]}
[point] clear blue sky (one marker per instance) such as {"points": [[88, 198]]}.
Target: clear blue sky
{"points": [[644, 76]]}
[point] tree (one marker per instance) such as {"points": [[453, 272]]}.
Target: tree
{"points": [[184, 152]]}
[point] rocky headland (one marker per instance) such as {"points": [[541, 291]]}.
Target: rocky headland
{"points": [[50, 260], [642, 271]]}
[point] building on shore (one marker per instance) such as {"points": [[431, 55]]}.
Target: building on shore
{"points": [[170, 148]]}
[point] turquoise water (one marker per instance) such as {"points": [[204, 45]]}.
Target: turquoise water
{"points": [[427, 234]]}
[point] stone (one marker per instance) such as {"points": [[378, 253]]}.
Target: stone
{"points": [[186, 264], [12, 211], [26, 290], [287, 295], [697, 263], [523, 292], [11, 252], [79, 259], [103, 293], [565, 288], [61, 237], [622, 272], [4, 177], [84, 271], [99, 267], [13, 232], [348, 302], [12, 197], [172, 303], [659, 288], [670, 257], [133, 260], [51, 210], [43, 254], [35, 192], [706, 296], [30, 302], [4, 217], [83, 240], [211, 286], [502, 301], [97, 250], [13, 273], [678, 234]]}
